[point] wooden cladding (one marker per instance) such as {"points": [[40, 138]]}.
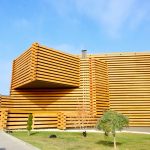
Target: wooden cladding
{"points": [[56, 87], [0, 101], [17, 119], [21, 71], [42, 67], [99, 86], [3, 118], [5, 102], [129, 85], [54, 99]]}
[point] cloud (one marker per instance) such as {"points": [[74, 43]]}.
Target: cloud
{"points": [[112, 16], [109, 14], [140, 14], [115, 15]]}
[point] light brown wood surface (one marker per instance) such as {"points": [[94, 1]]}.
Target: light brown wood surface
{"points": [[129, 85], [42, 67], [53, 86]]}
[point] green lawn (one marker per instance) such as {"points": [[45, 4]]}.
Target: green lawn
{"points": [[93, 141]]}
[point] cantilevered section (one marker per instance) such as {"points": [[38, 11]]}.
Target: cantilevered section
{"points": [[42, 67]]}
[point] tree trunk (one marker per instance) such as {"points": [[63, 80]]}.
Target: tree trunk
{"points": [[115, 147], [28, 132]]}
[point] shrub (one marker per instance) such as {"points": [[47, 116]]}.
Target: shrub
{"points": [[29, 123]]}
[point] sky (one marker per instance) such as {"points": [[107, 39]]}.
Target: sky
{"points": [[100, 26]]}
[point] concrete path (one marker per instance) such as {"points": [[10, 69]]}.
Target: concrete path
{"points": [[8, 142]]}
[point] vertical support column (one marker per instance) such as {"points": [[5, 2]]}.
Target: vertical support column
{"points": [[61, 121], [92, 88], [3, 119], [99, 81]]}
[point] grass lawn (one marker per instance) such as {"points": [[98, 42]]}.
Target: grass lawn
{"points": [[93, 141]]}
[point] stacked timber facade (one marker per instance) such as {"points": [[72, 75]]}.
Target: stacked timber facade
{"points": [[62, 90]]}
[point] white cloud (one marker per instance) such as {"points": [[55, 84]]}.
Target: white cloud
{"points": [[112, 16], [115, 15], [140, 15]]}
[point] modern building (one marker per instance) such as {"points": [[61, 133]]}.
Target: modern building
{"points": [[65, 91]]}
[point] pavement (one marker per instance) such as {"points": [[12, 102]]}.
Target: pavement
{"points": [[8, 142]]}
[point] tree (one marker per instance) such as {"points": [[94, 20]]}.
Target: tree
{"points": [[82, 118], [29, 123], [111, 121]]}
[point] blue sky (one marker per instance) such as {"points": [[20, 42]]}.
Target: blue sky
{"points": [[100, 26]]}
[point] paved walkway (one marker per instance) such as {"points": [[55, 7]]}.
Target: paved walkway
{"points": [[8, 142]]}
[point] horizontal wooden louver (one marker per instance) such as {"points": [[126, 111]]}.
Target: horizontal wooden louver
{"points": [[129, 85], [42, 67], [99, 85]]}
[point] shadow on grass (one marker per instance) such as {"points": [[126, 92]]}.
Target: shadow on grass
{"points": [[34, 133], [108, 143]]}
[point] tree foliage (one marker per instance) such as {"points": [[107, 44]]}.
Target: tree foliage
{"points": [[111, 121]]}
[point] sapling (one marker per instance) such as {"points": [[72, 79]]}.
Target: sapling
{"points": [[29, 123], [111, 121]]}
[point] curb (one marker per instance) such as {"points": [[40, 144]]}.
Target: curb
{"points": [[91, 131]]}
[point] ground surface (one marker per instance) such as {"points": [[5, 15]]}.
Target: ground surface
{"points": [[8, 142], [93, 141]]}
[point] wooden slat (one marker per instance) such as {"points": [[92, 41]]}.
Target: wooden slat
{"points": [[129, 86], [100, 87], [29, 100], [117, 81], [35, 64]]}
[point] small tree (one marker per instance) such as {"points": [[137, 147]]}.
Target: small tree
{"points": [[111, 121], [29, 123], [82, 117]]}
